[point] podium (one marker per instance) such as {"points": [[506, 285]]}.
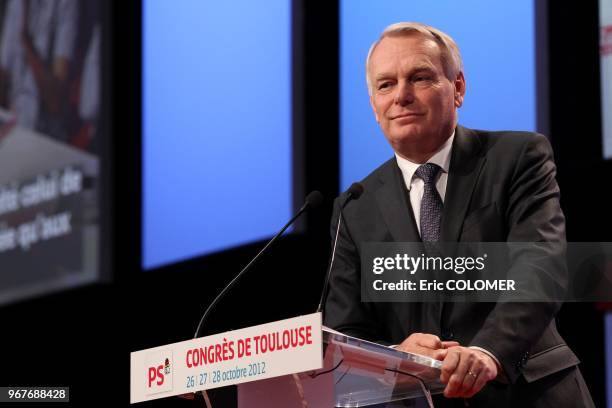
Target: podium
{"points": [[291, 363], [355, 373]]}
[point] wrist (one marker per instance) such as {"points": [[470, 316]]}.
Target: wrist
{"points": [[492, 361]]}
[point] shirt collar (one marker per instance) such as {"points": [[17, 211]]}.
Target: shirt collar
{"points": [[441, 158]]}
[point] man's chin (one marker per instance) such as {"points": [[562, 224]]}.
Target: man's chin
{"points": [[407, 137]]}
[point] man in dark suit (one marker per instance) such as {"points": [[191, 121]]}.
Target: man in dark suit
{"points": [[448, 183]]}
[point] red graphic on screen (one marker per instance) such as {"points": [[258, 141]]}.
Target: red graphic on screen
{"points": [[605, 47]]}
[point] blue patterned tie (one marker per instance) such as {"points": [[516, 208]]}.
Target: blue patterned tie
{"points": [[431, 204]]}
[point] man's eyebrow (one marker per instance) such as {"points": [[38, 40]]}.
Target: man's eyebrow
{"points": [[421, 68], [415, 70], [382, 76]]}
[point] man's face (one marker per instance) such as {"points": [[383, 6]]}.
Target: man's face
{"points": [[413, 101]]}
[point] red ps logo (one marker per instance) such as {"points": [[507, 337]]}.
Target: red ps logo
{"points": [[156, 374]]}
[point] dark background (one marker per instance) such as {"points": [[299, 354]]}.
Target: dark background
{"points": [[82, 338]]}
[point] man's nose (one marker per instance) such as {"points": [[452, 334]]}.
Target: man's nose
{"points": [[404, 93]]}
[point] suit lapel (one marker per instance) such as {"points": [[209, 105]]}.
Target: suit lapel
{"points": [[394, 204], [465, 166], [392, 199]]}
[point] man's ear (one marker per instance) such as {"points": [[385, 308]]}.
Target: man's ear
{"points": [[459, 89], [374, 108]]}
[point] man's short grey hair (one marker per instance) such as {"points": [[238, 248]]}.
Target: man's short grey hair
{"points": [[449, 52]]}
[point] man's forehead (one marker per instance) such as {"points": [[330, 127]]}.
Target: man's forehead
{"points": [[406, 43], [414, 52]]}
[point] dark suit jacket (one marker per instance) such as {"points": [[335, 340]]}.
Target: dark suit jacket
{"points": [[501, 187]]}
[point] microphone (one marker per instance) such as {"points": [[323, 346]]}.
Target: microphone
{"points": [[312, 200], [353, 193]]}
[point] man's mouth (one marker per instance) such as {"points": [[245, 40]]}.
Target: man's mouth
{"points": [[407, 115]]}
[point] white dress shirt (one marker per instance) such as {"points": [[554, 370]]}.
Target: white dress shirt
{"points": [[415, 185]]}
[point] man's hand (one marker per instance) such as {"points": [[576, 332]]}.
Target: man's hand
{"points": [[427, 345], [465, 371]]}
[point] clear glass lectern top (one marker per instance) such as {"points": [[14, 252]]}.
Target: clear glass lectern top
{"points": [[355, 373], [366, 373]]}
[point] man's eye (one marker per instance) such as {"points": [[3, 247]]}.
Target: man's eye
{"points": [[384, 85], [421, 78]]}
